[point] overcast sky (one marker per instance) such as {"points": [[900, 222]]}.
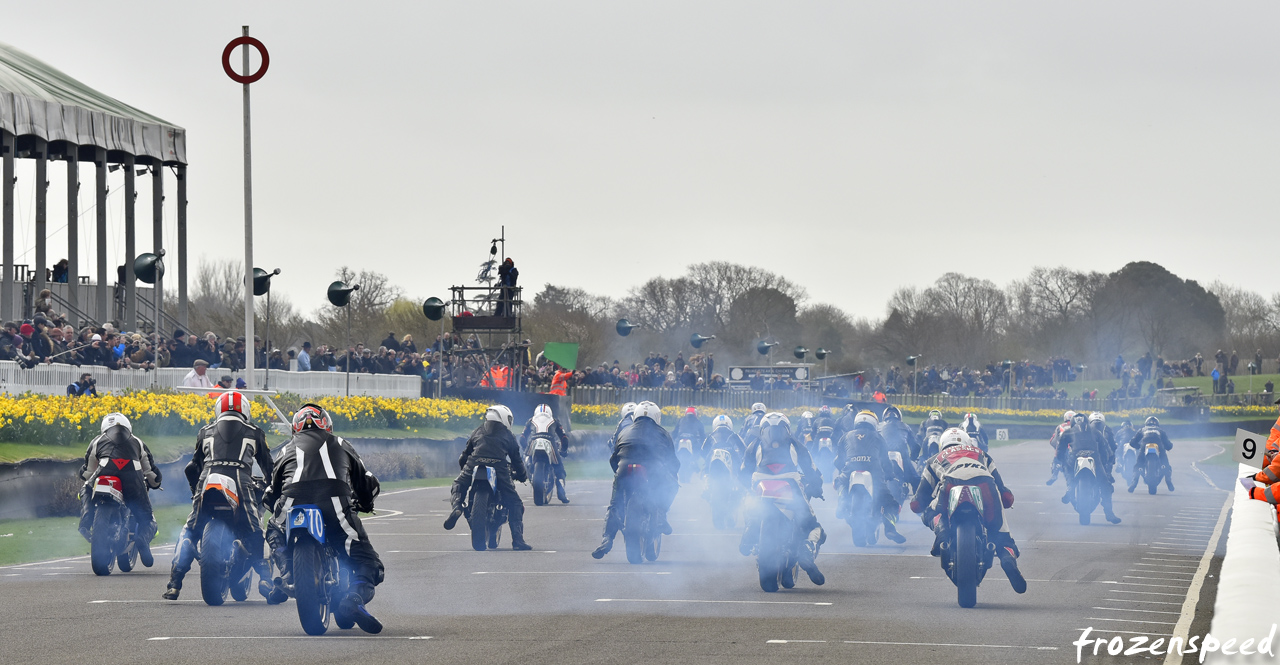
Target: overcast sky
{"points": [[852, 147]]}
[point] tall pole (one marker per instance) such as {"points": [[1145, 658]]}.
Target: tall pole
{"points": [[349, 349], [157, 242], [248, 230], [182, 247], [73, 229], [100, 232], [266, 345], [130, 240], [42, 213], [8, 145]]}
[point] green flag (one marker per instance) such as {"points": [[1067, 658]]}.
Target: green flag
{"points": [[562, 354]]}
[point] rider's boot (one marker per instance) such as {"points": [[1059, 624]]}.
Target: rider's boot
{"points": [[1054, 469], [144, 553], [938, 537], [891, 531], [517, 537], [1008, 553], [610, 532], [809, 555], [353, 607], [183, 555], [560, 493], [663, 524], [1168, 477], [1107, 509], [452, 519]]}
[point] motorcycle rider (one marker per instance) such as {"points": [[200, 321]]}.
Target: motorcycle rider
{"points": [[823, 419], [229, 446], [1059, 450], [645, 443], [751, 424], [493, 445], [625, 418], [1085, 441], [1123, 433], [690, 426], [899, 436], [933, 424], [315, 467], [974, 429], [863, 449], [1151, 432], [721, 436], [776, 447], [117, 442], [1098, 424], [556, 432], [804, 431], [961, 462]]}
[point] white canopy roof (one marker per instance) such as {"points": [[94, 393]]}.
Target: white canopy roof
{"points": [[38, 100]]}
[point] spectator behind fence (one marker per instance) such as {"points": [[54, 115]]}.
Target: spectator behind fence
{"points": [[85, 386], [304, 358], [198, 376]]}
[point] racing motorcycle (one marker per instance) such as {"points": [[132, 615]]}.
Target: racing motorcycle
{"points": [[932, 436], [722, 492], [1129, 462], [641, 526], [113, 531], [224, 561], [1086, 493], [1149, 466], [684, 453], [317, 580], [824, 451], [777, 497], [967, 554], [541, 460], [484, 512], [859, 507]]}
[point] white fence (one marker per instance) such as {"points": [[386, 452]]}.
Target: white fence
{"points": [[54, 379], [1250, 572]]}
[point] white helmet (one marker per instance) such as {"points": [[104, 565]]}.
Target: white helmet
{"points": [[543, 410], [1068, 416], [954, 437], [775, 418], [722, 421], [971, 422], [866, 417], [935, 415], [501, 414], [757, 407], [627, 409], [113, 419], [648, 410], [1096, 417]]}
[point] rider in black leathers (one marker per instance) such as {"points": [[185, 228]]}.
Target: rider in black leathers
{"points": [[721, 436], [775, 446], [560, 440], [690, 426], [1151, 432], [899, 436], [1083, 441], [229, 446], [647, 444], [493, 445], [317, 468], [863, 449], [117, 442], [934, 423]]}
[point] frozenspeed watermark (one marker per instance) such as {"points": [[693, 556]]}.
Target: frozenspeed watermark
{"points": [[1144, 646]]}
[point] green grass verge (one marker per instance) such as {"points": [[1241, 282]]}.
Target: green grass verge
{"points": [[23, 541], [1204, 383]]}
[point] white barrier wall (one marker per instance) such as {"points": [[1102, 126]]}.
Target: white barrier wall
{"points": [[54, 379], [1245, 606]]}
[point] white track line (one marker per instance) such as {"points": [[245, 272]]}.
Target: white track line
{"points": [[727, 602], [1121, 609], [572, 572], [283, 637], [1193, 593], [1139, 600], [1162, 623], [100, 602], [946, 644], [459, 551]]}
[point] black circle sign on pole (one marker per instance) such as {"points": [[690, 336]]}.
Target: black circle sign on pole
{"points": [[226, 60]]}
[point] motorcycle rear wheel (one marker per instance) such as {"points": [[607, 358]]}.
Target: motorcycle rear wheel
{"points": [[633, 529], [215, 558], [966, 563], [106, 524], [479, 520], [127, 560], [541, 486], [309, 586]]}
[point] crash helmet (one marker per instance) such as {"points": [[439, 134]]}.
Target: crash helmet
{"points": [[312, 416], [501, 414], [954, 437], [231, 402], [721, 421], [1097, 417], [935, 415], [113, 419], [1078, 421], [627, 409], [691, 411], [891, 413], [1126, 423], [824, 410], [648, 410], [775, 418], [867, 417], [1068, 416], [544, 411], [807, 415], [758, 407], [1152, 421]]}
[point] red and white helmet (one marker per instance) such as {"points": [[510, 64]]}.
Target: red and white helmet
{"points": [[231, 402], [311, 416]]}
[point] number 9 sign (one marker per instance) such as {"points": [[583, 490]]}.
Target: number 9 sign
{"points": [[1248, 449]]}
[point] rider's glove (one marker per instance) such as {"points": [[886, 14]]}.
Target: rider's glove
{"points": [[916, 507], [1006, 498]]}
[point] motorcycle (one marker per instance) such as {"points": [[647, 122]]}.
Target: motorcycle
{"points": [[721, 490], [688, 461], [903, 490], [824, 454], [485, 514], [776, 557], [541, 460], [112, 536], [860, 509], [225, 563], [1129, 462], [1150, 467], [640, 520], [1086, 493], [967, 554], [317, 580]]}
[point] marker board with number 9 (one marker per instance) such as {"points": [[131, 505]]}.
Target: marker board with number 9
{"points": [[1249, 448]]}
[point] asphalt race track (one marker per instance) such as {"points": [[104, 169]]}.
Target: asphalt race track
{"points": [[700, 603]]}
